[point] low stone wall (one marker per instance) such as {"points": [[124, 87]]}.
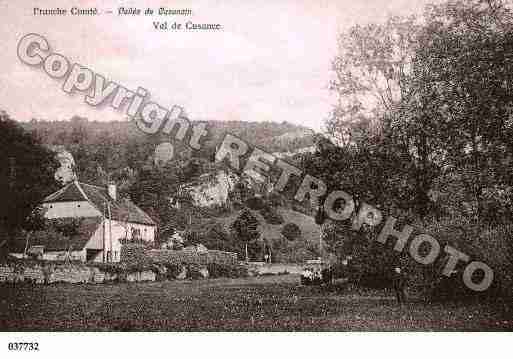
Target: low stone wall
{"points": [[138, 264], [40, 272], [262, 268], [144, 276]]}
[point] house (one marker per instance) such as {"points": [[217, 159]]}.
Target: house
{"points": [[101, 222]]}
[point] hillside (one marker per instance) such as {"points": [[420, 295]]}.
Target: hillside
{"points": [[271, 136], [297, 251], [101, 151]]}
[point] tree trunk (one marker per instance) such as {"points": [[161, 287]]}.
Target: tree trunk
{"points": [[26, 244]]}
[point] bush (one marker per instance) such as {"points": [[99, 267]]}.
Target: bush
{"points": [[218, 270], [275, 199], [111, 268], [193, 271], [371, 263], [135, 255], [255, 203], [294, 255], [173, 270], [291, 231], [271, 216], [191, 238], [495, 248], [490, 245]]}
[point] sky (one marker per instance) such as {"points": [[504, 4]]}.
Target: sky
{"points": [[270, 62]]}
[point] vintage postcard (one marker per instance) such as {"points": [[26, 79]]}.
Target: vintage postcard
{"points": [[255, 166]]}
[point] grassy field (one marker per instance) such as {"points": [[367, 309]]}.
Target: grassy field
{"points": [[271, 303]]}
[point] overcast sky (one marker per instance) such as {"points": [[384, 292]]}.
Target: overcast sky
{"points": [[271, 61]]}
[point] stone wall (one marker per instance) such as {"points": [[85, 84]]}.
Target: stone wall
{"points": [[40, 272], [138, 264], [262, 268], [143, 276]]}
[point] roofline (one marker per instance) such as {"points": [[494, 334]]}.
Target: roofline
{"points": [[134, 222], [56, 192], [92, 185], [82, 191], [107, 199]]}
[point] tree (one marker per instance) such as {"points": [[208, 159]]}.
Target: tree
{"points": [[160, 191], [463, 73], [245, 229], [391, 143], [26, 176], [291, 231], [371, 75]]}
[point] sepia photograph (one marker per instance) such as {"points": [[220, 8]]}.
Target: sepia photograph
{"points": [[289, 166]]}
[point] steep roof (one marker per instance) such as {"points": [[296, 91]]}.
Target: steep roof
{"points": [[69, 193], [121, 209], [76, 242]]}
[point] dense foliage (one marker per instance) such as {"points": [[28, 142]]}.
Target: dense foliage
{"points": [[291, 231], [423, 129], [26, 177]]}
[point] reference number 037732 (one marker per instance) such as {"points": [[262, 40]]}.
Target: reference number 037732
{"points": [[23, 347]]}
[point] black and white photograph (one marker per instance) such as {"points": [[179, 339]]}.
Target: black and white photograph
{"points": [[306, 168]]}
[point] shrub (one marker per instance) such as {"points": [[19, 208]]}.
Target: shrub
{"points": [[271, 216], [291, 231], [112, 268], [135, 255], [495, 248], [371, 263], [173, 270], [218, 270], [194, 271], [275, 199], [191, 238], [255, 203], [490, 245]]}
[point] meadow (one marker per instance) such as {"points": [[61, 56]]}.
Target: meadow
{"points": [[267, 303]]}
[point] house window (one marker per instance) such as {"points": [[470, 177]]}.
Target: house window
{"points": [[109, 256]]}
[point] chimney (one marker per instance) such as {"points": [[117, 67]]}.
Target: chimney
{"points": [[112, 190]]}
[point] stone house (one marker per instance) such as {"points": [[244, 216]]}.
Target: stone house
{"points": [[102, 223]]}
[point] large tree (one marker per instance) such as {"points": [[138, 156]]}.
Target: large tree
{"points": [[379, 120], [463, 79], [371, 75], [245, 229], [26, 176]]}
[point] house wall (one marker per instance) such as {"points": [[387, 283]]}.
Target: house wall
{"points": [[70, 209], [119, 230], [61, 255], [124, 230]]}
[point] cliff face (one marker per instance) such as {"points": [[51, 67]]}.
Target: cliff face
{"points": [[212, 188], [66, 172]]}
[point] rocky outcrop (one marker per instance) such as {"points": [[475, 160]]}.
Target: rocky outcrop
{"points": [[66, 172]]}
